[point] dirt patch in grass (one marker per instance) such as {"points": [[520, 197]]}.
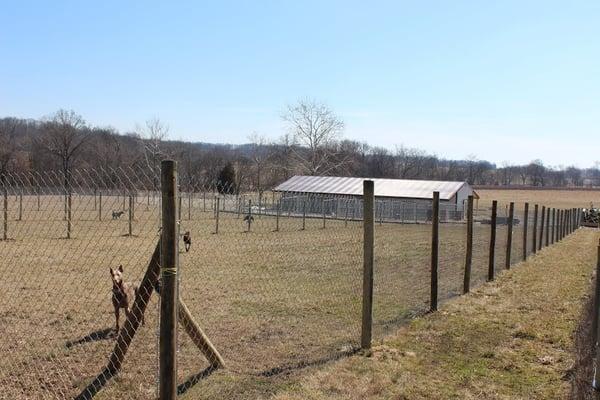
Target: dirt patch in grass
{"points": [[510, 339]]}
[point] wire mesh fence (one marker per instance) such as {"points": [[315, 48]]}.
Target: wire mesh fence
{"points": [[269, 283]]}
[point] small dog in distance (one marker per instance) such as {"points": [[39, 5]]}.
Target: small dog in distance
{"points": [[117, 214], [187, 241], [123, 294]]}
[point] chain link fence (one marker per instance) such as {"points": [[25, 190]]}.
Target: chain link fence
{"points": [[270, 284]]}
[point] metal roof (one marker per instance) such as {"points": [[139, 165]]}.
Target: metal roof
{"points": [[405, 188]]}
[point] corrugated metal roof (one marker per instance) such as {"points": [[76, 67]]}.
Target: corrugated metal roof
{"points": [[406, 188]]}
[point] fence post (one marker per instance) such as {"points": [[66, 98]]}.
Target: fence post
{"points": [[69, 214], [525, 227], [547, 240], [492, 252], [323, 209], [469, 255], [535, 226], [38, 198], [509, 234], [249, 215], [303, 212], [368, 257], [5, 214], [189, 206], [21, 206], [100, 206], [278, 211], [95, 199], [542, 227], [559, 225], [130, 215], [435, 237], [169, 286], [553, 236], [217, 217], [346, 217]]}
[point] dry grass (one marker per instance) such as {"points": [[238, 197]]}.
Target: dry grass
{"points": [[511, 339], [274, 303], [549, 198]]}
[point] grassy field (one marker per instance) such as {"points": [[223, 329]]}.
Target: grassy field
{"points": [[273, 303], [549, 198], [511, 339]]}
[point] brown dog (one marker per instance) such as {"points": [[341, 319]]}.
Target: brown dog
{"points": [[123, 294], [187, 240]]}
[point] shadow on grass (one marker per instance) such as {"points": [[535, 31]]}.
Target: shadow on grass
{"points": [[192, 380], [102, 334], [288, 369]]}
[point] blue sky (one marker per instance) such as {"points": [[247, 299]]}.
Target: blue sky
{"points": [[505, 81]]}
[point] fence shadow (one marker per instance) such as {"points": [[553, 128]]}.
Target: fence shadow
{"points": [[102, 334], [192, 380]]}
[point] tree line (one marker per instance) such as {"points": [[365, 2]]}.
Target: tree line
{"points": [[312, 144]]}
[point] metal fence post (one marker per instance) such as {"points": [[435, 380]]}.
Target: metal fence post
{"points": [[368, 257], [492, 252], [509, 234], [435, 237], [525, 227], [169, 285], [469, 255]]}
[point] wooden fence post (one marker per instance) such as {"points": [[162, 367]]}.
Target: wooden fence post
{"points": [[435, 237], [38, 198], [346, 217], [278, 211], [249, 221], [553, 236], [469, 255], [559, 225], [323, 209], [217, 217], [509, 234], [21, 206], [179, 208], [368, 257], [5, 214], [535, 227], [69, 214], [169, 286], [303, 212], [492, 252], [189, 206], [542, 227], [100, 206], [596, 301], [525, 227], [130, 211]]}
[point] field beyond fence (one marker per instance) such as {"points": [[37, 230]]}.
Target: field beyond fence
{"points": [[275, 289]]}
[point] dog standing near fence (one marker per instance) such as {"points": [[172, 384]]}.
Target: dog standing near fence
{"points": [[123, 294], [187, 240]]}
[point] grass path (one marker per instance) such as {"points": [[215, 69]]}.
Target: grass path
{"points": [[510, 339]]}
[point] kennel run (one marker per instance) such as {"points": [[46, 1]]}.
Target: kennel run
{"points": [[398, 200]]}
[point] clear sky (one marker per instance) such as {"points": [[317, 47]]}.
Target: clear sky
{"points": [[503, 80]]}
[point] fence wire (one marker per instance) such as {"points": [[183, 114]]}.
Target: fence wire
{"points": [[270, 283]]}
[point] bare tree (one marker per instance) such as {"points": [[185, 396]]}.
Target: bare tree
{"points": [[260, 155], [152, 135], [8, 127], [63, 136], [315, 129]]}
